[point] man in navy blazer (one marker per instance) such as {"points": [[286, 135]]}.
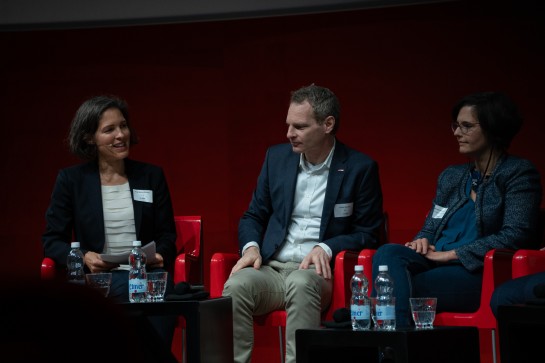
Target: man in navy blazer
{"points": [[314, 197]]}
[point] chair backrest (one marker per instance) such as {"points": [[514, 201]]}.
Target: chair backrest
{"points": [[190, 242], [189, 231]]}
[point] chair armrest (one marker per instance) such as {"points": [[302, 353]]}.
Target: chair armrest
{"points": [[527, 262], [48, 269], [182, 266], [365, 258], [220, 269], [342, 273], [497, 270]]}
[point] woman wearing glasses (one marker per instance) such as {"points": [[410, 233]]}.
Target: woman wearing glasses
{"points": [[490, 202]]}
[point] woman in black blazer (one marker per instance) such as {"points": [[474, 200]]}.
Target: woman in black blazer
{"points": [[109, 201]]}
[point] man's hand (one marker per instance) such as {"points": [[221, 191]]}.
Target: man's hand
{"points": [[251, 257], [318, 257]]}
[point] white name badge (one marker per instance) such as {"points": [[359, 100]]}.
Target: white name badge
{"points": [[438, 211], [343, 210], [143, 195]]}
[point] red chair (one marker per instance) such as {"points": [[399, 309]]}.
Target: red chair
{"points": [[222, 263], [527, 262], [188, 267], [497, 269]]}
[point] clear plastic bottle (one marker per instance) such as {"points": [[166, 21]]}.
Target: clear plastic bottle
{"points": [[385, 305], [75, 264], [138, 278], [360, 312]]}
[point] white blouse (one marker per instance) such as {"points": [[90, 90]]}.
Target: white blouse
{"points": [[119, 225]]}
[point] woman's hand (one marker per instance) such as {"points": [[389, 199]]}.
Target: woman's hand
{"points": [[96, 264], [421, 245], [158, 263], [441, 256]]}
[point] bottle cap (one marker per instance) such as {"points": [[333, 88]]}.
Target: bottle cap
{"points": [[383, 268], [74, 245], [136, 243], [358, 268]]}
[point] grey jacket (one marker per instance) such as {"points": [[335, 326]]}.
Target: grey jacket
{"points": [[506, 208]]}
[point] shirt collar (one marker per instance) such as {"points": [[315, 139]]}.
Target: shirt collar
{"points": [[308, 167]]}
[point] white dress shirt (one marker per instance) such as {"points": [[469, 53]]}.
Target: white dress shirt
{"points": [[304, 229]]}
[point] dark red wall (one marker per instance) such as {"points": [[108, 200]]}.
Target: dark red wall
{"points": [[208, 98]]}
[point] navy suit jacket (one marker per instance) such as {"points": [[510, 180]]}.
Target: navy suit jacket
{"points": [[76, 214], [353, 178]]}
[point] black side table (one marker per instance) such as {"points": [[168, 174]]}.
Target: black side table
{"points": [[441, 344], [209, 325], [520, 328]]}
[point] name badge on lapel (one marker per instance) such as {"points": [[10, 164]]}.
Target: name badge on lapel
{"points": [[143, 195], [343, 210], [438, 211]]}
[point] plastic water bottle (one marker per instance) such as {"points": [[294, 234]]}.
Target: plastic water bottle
{"points": [[360, 312], [385, 305], [74, 265], [138, 278]]}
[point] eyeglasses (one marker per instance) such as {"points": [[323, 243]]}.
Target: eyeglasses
{"points": [[464, 126]]}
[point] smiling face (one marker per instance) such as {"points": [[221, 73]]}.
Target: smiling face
{"points": [[306, 135], [473, 143], [112, 136]]}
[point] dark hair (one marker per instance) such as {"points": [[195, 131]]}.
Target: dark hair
{"points": [[497, 114], [324, 103], [85, 124]]}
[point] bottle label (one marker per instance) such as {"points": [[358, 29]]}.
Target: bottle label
{"points": [[360, 312], [138, 285], [385, 312]]}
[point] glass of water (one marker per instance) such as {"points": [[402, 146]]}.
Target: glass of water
{"points": [[157, 284], [423, 311], [100, 281]]}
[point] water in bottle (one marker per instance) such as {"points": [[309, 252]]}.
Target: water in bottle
{"points": [[385, 302], [75, 264], [360, 312], [138, 278]]}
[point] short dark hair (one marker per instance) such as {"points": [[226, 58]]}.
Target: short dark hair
{"points": [[323, 101], [498, 117], [85, 124]]}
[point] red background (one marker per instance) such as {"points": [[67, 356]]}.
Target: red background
{"points": [[208, 98]]}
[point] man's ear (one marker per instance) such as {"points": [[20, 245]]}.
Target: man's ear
{"points": [[329, 123]]}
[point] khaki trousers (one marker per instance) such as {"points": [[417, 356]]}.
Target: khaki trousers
{"points": [[277, 285]]}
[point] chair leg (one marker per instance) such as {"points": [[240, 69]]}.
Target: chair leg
{"points": [[184, 350], [282, 344], [494, 359]]}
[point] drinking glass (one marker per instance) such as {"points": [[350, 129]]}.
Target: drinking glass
{"points": [[100, 281], [157, 284], [423, 311]]}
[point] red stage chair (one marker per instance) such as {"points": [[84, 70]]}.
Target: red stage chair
{"points": [[188, 266], [222, 263], [527, 262]]}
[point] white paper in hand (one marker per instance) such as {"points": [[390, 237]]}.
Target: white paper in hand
{"points": [[123, 257]]}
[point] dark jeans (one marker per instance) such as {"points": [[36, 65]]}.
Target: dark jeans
{"points": [[516, 291], [456, 288]]}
